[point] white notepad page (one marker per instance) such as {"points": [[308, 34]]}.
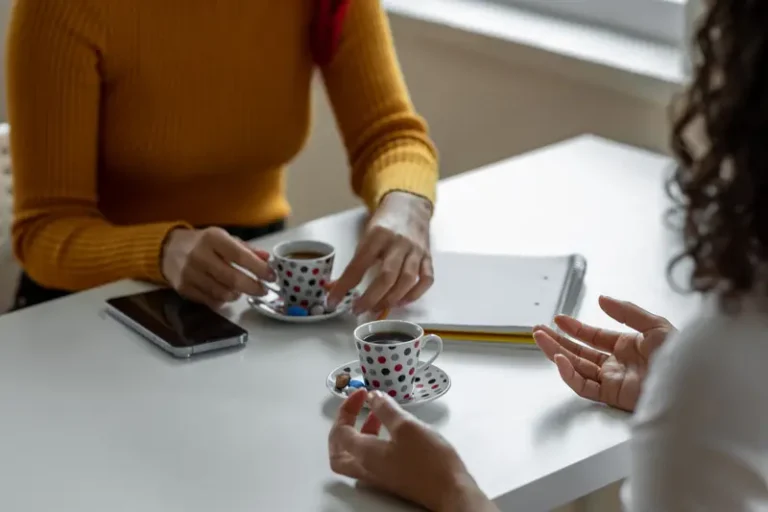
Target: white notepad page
{"points": [[496, 293]]}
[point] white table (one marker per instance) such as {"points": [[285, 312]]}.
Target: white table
{"points": [[92, 418]]}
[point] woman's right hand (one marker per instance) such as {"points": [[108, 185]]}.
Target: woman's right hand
{"points": [[198, 265], [609, 367], [416, 463]]}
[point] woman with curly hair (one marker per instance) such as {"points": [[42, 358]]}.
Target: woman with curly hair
{"points": [[699, 432]]}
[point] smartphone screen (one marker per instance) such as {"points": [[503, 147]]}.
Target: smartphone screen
{"points": [[180, 322]]}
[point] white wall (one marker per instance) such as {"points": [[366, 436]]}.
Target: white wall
{"points": [[481, 109]]}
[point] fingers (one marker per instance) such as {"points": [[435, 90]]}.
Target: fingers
{"points": [[228, 276], [552, 349], [198, 286], [426, 280], [345, 445], [632, 315], [585, 388], [201, 296], [356, 455], [214, 289], [580, 350], [387, 411], [203, 266], [353, 453], [389, 273], [367, 255], [599, 338], [343, 463], [372, 425], [233, 251], [261, 254], [350, 409], [408, 278], [554, 342]]}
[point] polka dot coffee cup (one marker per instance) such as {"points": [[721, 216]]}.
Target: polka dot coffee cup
{"points": [[303, 269], [389, 352]]}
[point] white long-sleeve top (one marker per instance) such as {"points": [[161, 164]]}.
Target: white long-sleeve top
{"points": [[700, 432]]}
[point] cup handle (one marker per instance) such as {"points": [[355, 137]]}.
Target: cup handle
{"points": [[439, 341]]}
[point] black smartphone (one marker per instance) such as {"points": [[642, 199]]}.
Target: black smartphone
{"points": [[175, 324]]}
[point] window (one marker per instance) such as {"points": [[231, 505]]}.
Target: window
{"points": [[659, 20]]}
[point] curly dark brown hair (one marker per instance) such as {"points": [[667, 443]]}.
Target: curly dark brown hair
{"points": [[720, 140]]}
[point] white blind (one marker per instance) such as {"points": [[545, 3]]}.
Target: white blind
{"points": [[659, 20]]}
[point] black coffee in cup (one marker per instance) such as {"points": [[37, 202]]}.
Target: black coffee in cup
{"points": [[304, 255], [388, 337]]}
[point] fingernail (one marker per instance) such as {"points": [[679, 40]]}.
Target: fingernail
{"points": [[332, 303], [374, 395]]}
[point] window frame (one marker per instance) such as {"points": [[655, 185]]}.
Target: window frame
{"points": [[658, 20]]}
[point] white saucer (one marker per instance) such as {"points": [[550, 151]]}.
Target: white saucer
{"points": [[271, 306], [430, 383]]}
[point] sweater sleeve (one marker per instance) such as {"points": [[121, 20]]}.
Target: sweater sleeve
{"points": [[387, 143], [54, 84]]}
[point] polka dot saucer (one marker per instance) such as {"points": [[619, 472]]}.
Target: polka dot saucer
{"points": [[430, 383], [272, 306]]}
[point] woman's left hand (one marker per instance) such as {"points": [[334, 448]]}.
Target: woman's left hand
{"points": [[607, 366], [397, 236]]}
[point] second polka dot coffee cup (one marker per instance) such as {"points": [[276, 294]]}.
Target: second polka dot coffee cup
{"points": [[389, 352], [303, 270]]}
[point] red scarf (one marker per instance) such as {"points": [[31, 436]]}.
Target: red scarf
{"points": [[327, 24]]}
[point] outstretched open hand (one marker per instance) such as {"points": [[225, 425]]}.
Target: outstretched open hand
{"points": [[608, 367]]}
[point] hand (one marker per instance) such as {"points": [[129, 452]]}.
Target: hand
{"points": [[398, 237], [198, 265], [416, 464], [611, 368]]}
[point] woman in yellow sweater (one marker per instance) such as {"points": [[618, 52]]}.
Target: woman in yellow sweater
{"points": [[139, 125]]}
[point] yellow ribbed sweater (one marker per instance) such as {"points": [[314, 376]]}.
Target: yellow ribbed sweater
{"points": [[132, 117]]}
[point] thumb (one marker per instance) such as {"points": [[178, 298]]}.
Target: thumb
{"points": [[387, 410]]}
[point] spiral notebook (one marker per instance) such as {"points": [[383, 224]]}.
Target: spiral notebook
{"points": [[498, 299]]}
